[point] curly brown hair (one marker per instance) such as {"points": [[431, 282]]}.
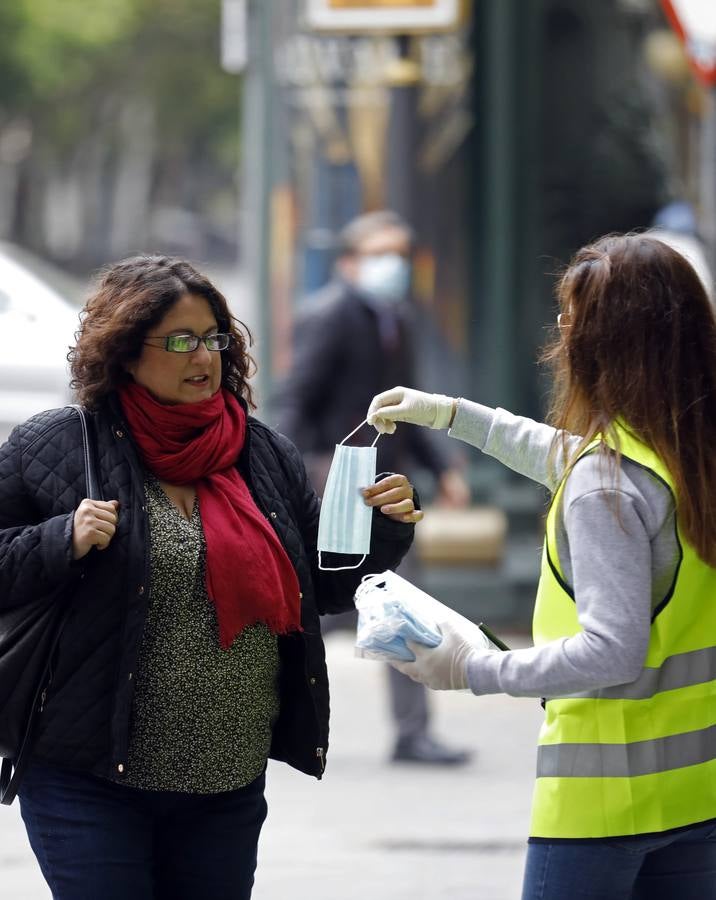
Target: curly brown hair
{"points": [[130, 298], [640, 344]]}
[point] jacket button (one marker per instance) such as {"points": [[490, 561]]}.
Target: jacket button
{"points": [[273, 515], [140, 589], [119, 433], [130, 676], [120, 768], [300, 595], [311, 680]]}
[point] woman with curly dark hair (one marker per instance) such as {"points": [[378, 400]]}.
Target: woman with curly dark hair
{"points": [[625, 616], [192, 652]]}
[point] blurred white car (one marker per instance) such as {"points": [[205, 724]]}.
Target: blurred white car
{"points": [[37, 328]]}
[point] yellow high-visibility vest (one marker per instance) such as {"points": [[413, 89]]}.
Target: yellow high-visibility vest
{"points": [[641, 757]]}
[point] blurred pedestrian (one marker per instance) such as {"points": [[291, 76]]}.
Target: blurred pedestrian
{"points": [[351, 341], [193, 651], [625, 618]]}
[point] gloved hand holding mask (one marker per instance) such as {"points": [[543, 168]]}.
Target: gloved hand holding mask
{"points": [[401, 404]]}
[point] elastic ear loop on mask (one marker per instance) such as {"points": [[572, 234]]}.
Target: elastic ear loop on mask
{"points": [[365, 555], [356, 430]]}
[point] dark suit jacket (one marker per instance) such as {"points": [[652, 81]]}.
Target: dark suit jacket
{"points": [[342, 358]]}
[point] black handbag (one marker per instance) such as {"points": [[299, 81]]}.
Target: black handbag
{"points": [[29, 635]]}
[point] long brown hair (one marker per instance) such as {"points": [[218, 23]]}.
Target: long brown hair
{"points": [[130, 298], [638, 342]]}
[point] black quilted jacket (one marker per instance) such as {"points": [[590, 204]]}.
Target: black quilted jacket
{"points": [[85, 721]]}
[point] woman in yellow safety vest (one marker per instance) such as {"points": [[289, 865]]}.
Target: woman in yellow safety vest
{"points": [[625, 617]]}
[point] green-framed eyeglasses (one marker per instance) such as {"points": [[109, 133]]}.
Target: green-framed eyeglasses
{"points": [[188, 343]]}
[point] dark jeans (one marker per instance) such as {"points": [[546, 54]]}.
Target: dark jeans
{"points": [[97, 840], [679, 866]]}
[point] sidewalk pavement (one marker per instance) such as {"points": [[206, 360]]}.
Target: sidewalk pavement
{"points": [[375, 830]]}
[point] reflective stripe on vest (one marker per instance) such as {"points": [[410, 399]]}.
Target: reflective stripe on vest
{"points": [[641, 757], [680, 670], [627, 760]]}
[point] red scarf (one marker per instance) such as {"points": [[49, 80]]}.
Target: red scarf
{"points": [[249, 577]]}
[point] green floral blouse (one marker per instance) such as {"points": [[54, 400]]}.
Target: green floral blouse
{"points": [[202, 716]]}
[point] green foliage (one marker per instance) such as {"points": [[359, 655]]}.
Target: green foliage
{"points": [[61, 44], [14, 80], [65, 63]]}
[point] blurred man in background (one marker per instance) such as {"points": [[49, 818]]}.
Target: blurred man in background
{"points": [[351, 341]]}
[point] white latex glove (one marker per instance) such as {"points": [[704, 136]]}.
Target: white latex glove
{"points": [[442, 668], [401, 404]]}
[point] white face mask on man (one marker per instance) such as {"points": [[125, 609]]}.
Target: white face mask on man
{"points": [[384, 276]]}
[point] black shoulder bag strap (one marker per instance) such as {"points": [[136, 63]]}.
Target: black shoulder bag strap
{"points": [[12, 771]]}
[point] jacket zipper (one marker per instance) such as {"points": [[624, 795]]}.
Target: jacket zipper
{"points": [[128, 450], [43, 695], [50, 665], [320, 751]]}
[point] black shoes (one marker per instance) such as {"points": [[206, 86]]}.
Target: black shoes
{"points": [[426, 750]]}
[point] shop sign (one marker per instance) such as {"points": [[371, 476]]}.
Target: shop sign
{"points": [[383, 16]]}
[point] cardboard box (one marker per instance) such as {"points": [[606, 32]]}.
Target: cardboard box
{"points": [[462, 537]]}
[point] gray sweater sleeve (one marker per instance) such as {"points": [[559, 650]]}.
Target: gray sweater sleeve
{"points": [[606, 559], [611, 578], [520, 443]]}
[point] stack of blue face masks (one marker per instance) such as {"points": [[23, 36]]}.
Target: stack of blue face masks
{"points": [[392, 611], [386, 622], [385, 636]]}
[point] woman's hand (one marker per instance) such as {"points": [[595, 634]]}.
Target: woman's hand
{"points": [[401, 404], [394, 496], [95, 523]]}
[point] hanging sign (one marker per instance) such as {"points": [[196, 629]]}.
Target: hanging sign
{"points": [[383, 16], [695, 23], [234, 42]]}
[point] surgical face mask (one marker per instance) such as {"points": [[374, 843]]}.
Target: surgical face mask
{"points": [[384, 276], [344, 525]]}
